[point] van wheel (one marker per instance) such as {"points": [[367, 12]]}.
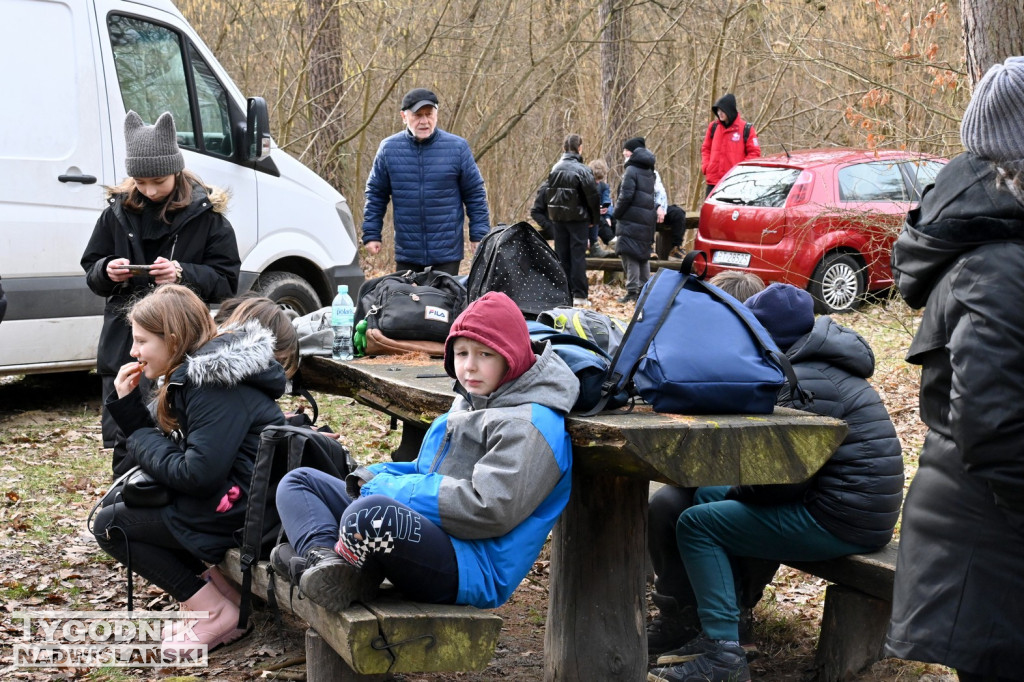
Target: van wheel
{"points": [[838, 284], [289, 291]]}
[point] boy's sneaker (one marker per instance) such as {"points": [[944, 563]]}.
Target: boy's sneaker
{"points": [[629, 298], [287, 563], [724, 662], [677, 253], [580, 303], [700, 645], [333, 583]]}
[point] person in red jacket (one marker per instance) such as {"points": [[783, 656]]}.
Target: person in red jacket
{"points": [[728, 141]]}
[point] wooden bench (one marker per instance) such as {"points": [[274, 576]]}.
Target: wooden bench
{"points": [[368, 642], [858, 605]]}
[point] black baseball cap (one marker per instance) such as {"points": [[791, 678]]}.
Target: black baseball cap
{"points": [[417, 98]]}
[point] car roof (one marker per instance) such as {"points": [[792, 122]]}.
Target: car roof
{"points": [[812, 158]]}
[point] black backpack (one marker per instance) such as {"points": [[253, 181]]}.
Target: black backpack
{"points": [[416, 306], [515, 260], [282, 448], [746, 131]]}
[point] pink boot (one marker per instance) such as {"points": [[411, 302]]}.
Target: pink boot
{"points": [[219, 627], [213, 575]]}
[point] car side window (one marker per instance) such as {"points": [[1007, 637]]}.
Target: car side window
{"points": [[872, 181], [150, 62]]}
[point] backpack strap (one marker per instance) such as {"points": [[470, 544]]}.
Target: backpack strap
{"points": [[299, 388], [252, 531], [714, 127], [746, 130], [631, 349]]}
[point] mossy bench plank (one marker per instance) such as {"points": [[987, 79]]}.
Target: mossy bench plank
{"points": [[388, 634]]}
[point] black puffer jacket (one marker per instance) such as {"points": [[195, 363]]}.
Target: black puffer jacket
{"points": [[199, 237], [223, 397], [856, 494], [959, 592], [572, 192], [636, 212]]}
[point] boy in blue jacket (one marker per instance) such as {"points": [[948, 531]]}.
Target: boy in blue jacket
{"points": [[464, 522]]}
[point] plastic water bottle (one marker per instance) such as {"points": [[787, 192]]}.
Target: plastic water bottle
{"points": [[343, 313]]}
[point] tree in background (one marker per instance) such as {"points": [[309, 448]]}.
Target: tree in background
{"points": [[993, 31]]}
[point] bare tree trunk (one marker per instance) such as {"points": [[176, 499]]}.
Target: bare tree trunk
{"points": [[993, 31], [618, 88], [324, 88]]}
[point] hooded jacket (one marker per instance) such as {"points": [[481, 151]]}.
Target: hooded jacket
{"points": [[494, 472], [959, 590], [856, 495], [223, 396], [427, 183], [199, 237], [724, 144], [572, 192], [636, 211]]}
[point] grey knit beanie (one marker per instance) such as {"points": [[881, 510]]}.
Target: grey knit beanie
{"points": [[152, 151], [993, 125]]}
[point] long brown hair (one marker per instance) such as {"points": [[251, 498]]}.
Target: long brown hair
{"points": [[234, 312], [178, 316], [179, 198]]}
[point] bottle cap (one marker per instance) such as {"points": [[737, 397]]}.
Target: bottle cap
{"points": [[342, 288]]}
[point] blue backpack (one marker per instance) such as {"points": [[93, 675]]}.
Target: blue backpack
{"points": [[586, 359], [691, 348]]}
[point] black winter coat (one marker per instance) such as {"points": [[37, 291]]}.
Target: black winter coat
{"points": [[856, 495], [958, 599], [636, 212], [572, 192], [223, 397], [199, 237]]}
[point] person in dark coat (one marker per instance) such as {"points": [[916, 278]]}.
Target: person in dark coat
{"points": [[958, 597], [849, 506], [636, 216], [217, 392], [164, 217], [428, 175], [573, 205]]}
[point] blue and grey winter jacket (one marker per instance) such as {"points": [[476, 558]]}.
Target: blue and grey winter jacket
{"points": [[494, 473], [427, 182]]}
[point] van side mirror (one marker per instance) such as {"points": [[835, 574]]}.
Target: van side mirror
{"points": [[257, 130]]}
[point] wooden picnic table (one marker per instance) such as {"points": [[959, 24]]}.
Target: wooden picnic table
{"points": [[596, 625]]}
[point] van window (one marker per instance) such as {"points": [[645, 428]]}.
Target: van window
{"points": [[874, 181], [151, 72]]}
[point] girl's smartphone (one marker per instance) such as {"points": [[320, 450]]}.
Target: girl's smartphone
{"points": [[137, 269]]}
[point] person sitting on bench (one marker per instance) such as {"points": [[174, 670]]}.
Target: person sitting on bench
{"points": [[464, 522], [850, 506]]}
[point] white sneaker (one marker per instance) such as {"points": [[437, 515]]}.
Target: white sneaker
{"points": [[580, 303]]}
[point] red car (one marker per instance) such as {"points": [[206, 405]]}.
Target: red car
{"points": [[822, 219]]}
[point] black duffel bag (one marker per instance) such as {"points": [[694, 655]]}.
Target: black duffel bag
{"points": [[413, 306]]}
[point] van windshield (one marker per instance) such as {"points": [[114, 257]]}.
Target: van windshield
{"points": [[756, 186]]}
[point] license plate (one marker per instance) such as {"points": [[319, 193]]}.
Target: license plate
{"points": [[741, 260]]}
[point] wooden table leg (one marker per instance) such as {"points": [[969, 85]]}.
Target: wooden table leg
{"points": [[596, 628]]}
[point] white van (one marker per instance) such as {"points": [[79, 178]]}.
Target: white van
{"points": [[69, 71]]}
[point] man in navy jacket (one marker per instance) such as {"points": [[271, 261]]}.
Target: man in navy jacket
{"points": [[429, 175]]}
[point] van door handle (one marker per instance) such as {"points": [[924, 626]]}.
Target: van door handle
{"points": [[84, 179]]}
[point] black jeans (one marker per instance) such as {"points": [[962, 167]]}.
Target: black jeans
{"points": [[675, 219], [155, 553], [571, 248], [452, 268]]}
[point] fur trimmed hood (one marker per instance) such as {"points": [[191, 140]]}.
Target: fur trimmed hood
{"points": [[237, 355]]}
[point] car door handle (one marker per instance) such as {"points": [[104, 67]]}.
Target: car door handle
{"points": [[84, 179]]}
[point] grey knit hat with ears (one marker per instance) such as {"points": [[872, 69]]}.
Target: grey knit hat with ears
{"points": [[152, 151], [993, 125]]}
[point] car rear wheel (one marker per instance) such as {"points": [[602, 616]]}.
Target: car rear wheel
{"points": [[289, 291], [838, 284]]}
